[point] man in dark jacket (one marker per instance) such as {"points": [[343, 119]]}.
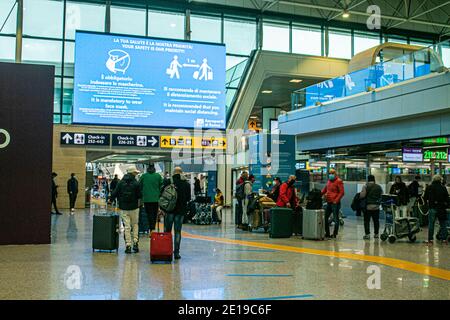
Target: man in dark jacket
{"points": [[175, 218], [372, 193], [128, 192], [399, 188], [437, 198], [55, 193], [72, 190]]}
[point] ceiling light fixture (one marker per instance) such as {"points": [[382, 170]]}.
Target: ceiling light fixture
{"points": [[346, 14], [296, 80], [266, 91]]}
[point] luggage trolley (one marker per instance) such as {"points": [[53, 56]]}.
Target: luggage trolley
{"points": [[259, 217], [397, 227]]}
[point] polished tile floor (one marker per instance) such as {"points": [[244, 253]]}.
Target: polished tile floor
{"points": [[220, 262]]}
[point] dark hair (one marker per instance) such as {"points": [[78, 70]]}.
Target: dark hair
{"points": [[54, 174], [277, 178], [218, 190], [371, 178], [417, 177], [399, 178], [72, 174]]}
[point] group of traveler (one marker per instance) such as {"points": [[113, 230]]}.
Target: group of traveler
{"points": [[369, 200], [72, 191], [436, 197], [132, 194], [284, 194]]}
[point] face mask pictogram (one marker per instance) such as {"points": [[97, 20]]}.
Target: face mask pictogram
{"points": [[4, 135], [118, 61]]}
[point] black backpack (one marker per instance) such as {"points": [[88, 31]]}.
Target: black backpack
{"points": [[314, 200], [128, 192], [240, 191]]}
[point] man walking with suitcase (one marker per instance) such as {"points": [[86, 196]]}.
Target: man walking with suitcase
{"points": [[151, 184], [128, 192], [334, 192]]}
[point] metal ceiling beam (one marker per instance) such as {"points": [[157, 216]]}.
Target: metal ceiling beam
{"points": [[255, 4], [349, 8], [269, 5], [420, 14], [365, 14]]}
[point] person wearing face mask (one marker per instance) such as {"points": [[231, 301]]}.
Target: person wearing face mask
{"points": [[334, 192], [288, 197]]}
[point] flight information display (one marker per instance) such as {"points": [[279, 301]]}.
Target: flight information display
{"points": [[133, 81]]}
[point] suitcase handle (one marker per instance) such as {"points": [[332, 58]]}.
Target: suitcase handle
{"points": [[158, 218]]}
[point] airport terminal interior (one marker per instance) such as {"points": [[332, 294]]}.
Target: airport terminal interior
{"points": [[299, 149]]}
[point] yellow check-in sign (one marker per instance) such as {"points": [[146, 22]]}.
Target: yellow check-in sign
{"points": [[180, 142]]}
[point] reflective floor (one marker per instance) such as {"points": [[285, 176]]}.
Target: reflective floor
{"points": [[220, 262]]}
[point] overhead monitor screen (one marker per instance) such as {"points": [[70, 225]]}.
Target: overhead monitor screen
{"points": [[133, 81], [412, 154]]}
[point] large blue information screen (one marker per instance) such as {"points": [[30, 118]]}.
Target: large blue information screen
{"points": [[122, 80]]}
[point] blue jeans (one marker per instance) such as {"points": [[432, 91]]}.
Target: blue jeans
{"points": [[175, 220], [443, 232], [332, 209]]}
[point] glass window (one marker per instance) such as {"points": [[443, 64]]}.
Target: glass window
{"points": [[365, 41], [66, 119], [67, 95], [165, 25], [69, 58], [306, 40], [420, 42], [233, 61], [128, 21], [340, 44], [43, 18], [57, 96], [397, 39], [446, 56], [43, 52], [239, 36], [5, 9], [275, 37], [7, 48], [80, 16], [56, 118], [207, 29]]}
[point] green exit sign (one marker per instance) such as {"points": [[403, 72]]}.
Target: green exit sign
{"points": [[439, 140], [436, 154]]}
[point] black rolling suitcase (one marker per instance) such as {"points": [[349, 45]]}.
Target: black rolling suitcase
{"points": [[105, 232], [297, 221], [144, 224]]}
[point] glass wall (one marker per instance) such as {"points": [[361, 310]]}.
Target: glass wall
{"points": [[340, 44], [128, 21], [364, 41], [166, 25], [5, 9], [208, 29], [276, 37], [47, 40], [82, 16], [239, 36], [307, 40]]}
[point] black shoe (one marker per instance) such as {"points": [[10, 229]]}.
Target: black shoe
{"points": [[59, 213], [128, 249], [177, 256], [136, 248], [333, 236]]}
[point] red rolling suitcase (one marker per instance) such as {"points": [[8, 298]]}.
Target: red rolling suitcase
{"points": [[161, 246]]}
